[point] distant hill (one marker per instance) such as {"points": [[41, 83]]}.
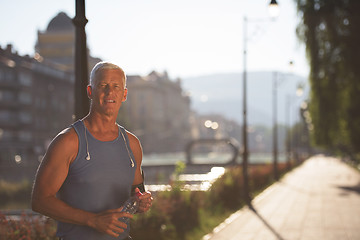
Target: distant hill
{"points": [[223, 94]]}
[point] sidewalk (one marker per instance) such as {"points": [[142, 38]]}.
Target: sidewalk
{"points": [[319, 200]]}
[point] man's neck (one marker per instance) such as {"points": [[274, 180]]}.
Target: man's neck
{"points": [[100, 123]]}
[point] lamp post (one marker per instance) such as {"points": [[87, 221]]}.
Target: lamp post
{"points": [[275, 132], [273, 10], [244, 129], [81, 62], [299, 92], [288, 135], [290, 101]]}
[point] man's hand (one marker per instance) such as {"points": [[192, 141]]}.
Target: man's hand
{"points": [[145, 201], [108, 222]]}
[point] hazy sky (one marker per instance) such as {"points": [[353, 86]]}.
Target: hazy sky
{"points": [[184, 37]]}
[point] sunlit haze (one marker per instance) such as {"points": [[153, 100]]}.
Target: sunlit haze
{"points": [[185, 38]]}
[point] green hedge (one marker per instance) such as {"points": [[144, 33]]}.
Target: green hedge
{"points": [[15, 194]]}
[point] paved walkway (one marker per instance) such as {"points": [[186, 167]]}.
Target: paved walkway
{"points": [[319, 200]]}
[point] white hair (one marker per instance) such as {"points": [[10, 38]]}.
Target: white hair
{"points": [[101, 66]]}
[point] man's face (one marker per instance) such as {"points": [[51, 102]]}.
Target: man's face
{"points": [[108, 91]]}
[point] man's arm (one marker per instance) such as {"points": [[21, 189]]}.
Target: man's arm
{"points": [[50, 177], [146, 198]]}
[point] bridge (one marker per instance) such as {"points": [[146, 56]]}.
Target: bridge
{"points": [[161, 173]]}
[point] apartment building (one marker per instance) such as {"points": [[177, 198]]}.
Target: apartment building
{"points": [[36, 102], [159, 111]]}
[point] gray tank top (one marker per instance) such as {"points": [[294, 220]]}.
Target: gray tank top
{"points": [[101, 183]]}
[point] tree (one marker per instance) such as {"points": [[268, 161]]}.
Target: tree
{"points": [[329, 28]]}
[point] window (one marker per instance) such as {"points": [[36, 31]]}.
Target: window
{"points": [[5, 115], [2, 75], [25, 117], [25, 97], [25, 136], [9, 75], [6, 75], [25, 79], [6, 135], [7, 96]]}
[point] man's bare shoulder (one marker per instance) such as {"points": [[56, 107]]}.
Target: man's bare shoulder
{"points": [[63, 147], [68, 134], [133, 140], [67, 139], [131, 136]]}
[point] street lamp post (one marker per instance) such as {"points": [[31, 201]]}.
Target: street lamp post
{"points": [[275, 132], [81, 62], [299, 93], [290, 101], [244, 129], [288, 135], [273, 9], [275, 125]]}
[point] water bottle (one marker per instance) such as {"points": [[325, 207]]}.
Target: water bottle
{"points": [[130, 206]]}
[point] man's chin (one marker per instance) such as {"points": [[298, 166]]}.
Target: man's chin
{"points": [[108, 111]]}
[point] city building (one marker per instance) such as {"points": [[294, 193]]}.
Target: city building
{"points": [[36, 102], [159, 111], [57, 43]]}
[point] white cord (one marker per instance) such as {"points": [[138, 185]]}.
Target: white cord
{"points": [[132, 161], [87, 146]]}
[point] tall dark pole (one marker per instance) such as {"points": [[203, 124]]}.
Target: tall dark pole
{"points": [[245, 155], [288, 127], [81, 62], [275, 132], [244, 132]]}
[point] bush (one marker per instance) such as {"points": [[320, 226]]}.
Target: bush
{"points": [[27, 228], [227, 191], [172, 215], [260, 176], [18, 193]]}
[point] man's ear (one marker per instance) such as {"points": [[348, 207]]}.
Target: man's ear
{"points": [[125, 95], [89, 91]]}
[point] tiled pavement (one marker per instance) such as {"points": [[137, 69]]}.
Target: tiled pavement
{"points": [[319, 200]]}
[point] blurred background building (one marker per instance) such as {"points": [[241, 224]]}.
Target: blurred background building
{"points": [[36, 101], [57, 43], [159, 111]]}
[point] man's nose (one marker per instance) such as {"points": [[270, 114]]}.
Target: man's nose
{"points": [[109, 90]]}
